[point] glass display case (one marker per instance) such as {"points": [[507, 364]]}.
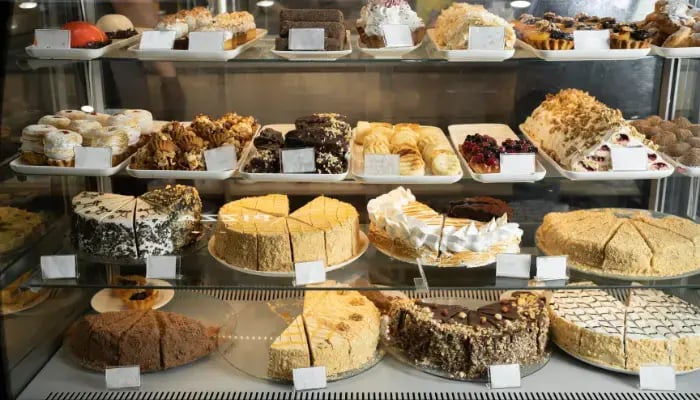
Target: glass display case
{"points": [[388, 200]]}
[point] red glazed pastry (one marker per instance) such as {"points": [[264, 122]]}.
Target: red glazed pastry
{"points": [[85, 35]]}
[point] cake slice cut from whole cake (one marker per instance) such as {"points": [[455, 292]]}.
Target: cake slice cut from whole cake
{"points": [[105, 336], [672, 253], [627, 252], [183, 339], [308, 243], [140, 345], [289, 351], [185, 208], [587, 246], [680, 226], [274, 247]]}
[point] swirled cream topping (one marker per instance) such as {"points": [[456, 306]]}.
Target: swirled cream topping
{"points": [[388, 12]]}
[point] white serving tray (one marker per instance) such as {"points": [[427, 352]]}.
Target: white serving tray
{"points": [[280, 177], [585, 55], [500, 132], [470, 55], [191, 55], [21, 167], [104, 301], [315, 55], [80, 54], [686, 170], [676, 52], [389, 53], [178, 174], [603, 175]]}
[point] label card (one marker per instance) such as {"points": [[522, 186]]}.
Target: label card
{"points": [[93, 157], [421, 283], [296, 161], [162, 267], [487, 38], [517, 163], [52, 38], [513, 265], [504, 376], [309, 272], [382, 164], [221, 158], [657, 377], [206, 41], [629, 158], [309, 378], [58, 267], [157, 40], [551, 268], [397, 35], [307, 39], [123, 377], [592, 40]]}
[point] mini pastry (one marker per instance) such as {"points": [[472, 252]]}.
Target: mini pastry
{"points": [[482, 152], [629, 36], [58, 121], [144, 119], [452, 25], [84, 127], [239, 27], [32, 150], [118, 141], [411, 164], [72, 114], [129, 282], [84, 35], [121, 119], [141, 299], [445, 164], [364, 128], [377, 13], [377, 147], [116, 26], [59, 147], [264, 161]]}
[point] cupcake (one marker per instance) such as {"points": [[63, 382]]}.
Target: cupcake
{"points": [[629, 36], [116, 26], [59, 147], [32, 150], [55, 120], [376, 13]]}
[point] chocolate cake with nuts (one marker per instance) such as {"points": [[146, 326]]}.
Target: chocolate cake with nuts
{"points": [[480, 208]]}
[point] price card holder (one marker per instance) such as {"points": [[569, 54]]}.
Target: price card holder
{"points": [[206, 41], [295, 161], [93, 157], [52, 38], [397, 35], [513, 265], [307, 39], [157, 40], [551, 268], [487, 38], [221, 158], [421, 283], [59, 267], [309, 272], [657, 377], [504, 376], [629, 158], [163, 267], [117, 378], [592, 40], [382, 164], [517, 163], [309, 378]]}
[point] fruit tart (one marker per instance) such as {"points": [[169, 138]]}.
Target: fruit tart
{"points": [[629, 36], [482, 152], [547, 35], [141, 299], [127, 284]]}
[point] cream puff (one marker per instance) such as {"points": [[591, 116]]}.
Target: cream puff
{"points": [[143, 117], [55, 120], [32, 150], [59, 147]]}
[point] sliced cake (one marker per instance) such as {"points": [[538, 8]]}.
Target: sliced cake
{"points": [[289, 351], [274, 247], [672, 253], [627, 252]]}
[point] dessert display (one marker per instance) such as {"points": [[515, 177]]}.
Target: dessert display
{"points": [[331, 21], [674, 23], [84, 35], [16, 227], [464, 342], [422, 150], [623, 243], [678, 139], [480, 208], [238, 27], [577, 131], [116, 26], [409, 230], [452, 26], [159, 222], [181, 146], [260, 233], [653, 328], [153, 340], [376, 13], [133, 293], [482, 152], [14, 297]]}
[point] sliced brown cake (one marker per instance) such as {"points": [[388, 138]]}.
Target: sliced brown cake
{"points": [[183, 339], [140, 345], [627, 252], [105, 337]]}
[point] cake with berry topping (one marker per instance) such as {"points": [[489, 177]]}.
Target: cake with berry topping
{"points": [[482, 152]]}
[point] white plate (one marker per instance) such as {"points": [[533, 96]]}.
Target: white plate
{"points": [[386, 52], [178, 174], [676, 52], [585, 55], [470, 55], [499, 132], [280, 177], [190, 55], [686, 170], [80, 54], [602, 175], [364, 244], [21, 167], [315, 55], [104, 301]]}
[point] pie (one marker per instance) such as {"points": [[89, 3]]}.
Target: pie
{"points": [[16, 226]]}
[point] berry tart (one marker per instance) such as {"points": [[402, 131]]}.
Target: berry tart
{"points": [[127, 284], [141, 299], [482, 152]]}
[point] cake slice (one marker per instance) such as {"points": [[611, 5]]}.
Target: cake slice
{"points": [[289, 351], [308, 243], [558, 228], [680, 226], [140, 345], [89, 210], [274, 247], [672, 253], [432, 221], [627, 252], [80, 333], [328, 347], [587, 246], [114, 236], [645, 343], [183, 339], [337, 237], [185, 208], [154, 231], [105, 337]]}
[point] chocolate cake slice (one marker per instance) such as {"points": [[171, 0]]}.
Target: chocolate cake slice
{"points": [[481, 208], [141, 344], [269, 139], [317, 15], [183, 339], [105, 336]]}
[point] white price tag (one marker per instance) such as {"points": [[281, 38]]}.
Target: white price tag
{"points": [[309, 272], [52, 38], [513, 265], [382, 164], [296, 161], [397, 35], [206, 41], [157, 40], [93, 157], [629, 158], [487, 38], [58, 267], [307, 39], [161, 267], [504, 376], [517, 163], [592, 40], [123, 377], [657, 377], [221, 158], [551, 268], [309, 378]]}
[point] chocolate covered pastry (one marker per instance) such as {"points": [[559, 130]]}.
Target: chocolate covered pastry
{"points": [[264, 161], [329, 163], [269, 139], [282, 44], [335, 30]]}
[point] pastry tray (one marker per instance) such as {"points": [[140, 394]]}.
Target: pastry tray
{"points": [[80, 54], [470, 55], [602, 175], [585, 55], [292, 55], [388, 53], [676, 52], [499, 132], [21, 167], [683, 169], [281, 177], [193, 55]]}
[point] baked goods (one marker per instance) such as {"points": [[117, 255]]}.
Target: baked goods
{"points": [[84, 35], [238, 26], [411, 230], [153, 340], [578, 131], [480, 208], [482, 152], [32, 150], [452, 26], [331, 21], [16, 226], [15, 297], [464, 342], [674, 23], [59, 147], [622, 243], [116, 26], [678, 139], [376, 13]]}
